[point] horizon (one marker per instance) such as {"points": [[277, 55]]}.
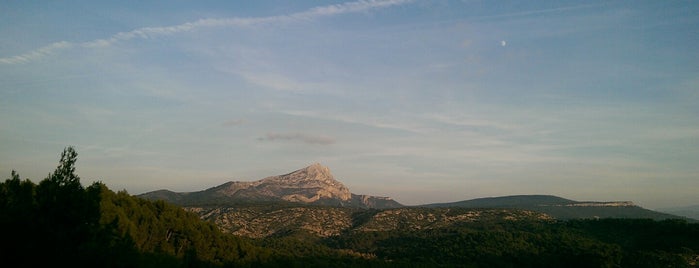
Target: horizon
{"points": [[420, 101], [85, 183]]}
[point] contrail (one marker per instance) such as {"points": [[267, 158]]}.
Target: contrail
{"points": [[151, 32]]}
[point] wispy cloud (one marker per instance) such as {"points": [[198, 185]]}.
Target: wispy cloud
{"points": [[37, 54], [350, 7], [281, 82], [375, 122], [298, 137], [469, 121], [539, 12], [152, 32], [233, 122]]}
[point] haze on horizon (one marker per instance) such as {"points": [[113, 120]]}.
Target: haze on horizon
{"points": [[422, 101]]}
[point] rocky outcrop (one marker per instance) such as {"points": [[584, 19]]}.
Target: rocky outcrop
{"points": [[314, 184], [368, 201], [306, 185], [603, 204]]}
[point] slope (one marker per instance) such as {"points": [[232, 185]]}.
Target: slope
{"points": [[562, 208]]}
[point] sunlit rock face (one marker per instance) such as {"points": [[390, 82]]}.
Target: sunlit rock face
{"points": [[306, 185], [314, 184]]}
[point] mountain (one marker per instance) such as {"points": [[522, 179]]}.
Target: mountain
{"points": [[313, 185], [562, 208], [689, 211], [58, 222]]}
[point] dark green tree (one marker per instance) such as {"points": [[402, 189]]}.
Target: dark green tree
{"points": [[67, 215], [18, 216]]}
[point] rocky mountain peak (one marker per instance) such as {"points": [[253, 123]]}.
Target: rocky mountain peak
{"points": [[318, 169], [312, 184], [309, 184], [314, 172]]}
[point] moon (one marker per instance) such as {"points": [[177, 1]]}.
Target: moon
{"points": [[503, 43]]}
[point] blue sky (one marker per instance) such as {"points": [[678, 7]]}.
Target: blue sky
{"points": [[423, 101]]}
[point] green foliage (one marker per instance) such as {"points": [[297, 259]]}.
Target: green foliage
{"points": [[508, 245], [58, 222]]}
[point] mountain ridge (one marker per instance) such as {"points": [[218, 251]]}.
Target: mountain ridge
{"points": [[685, 211], [562, 208], [313, 184]]}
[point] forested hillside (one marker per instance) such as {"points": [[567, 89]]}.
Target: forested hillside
{"points": [[60, 222]]}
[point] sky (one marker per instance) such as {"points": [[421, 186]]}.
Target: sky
{"points": [[422, 101]]}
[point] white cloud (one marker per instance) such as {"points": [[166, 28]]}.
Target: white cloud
{"points": [[36, 54], [540, 11], [370, 121], [233, 122], [301, 137], [152, 32], [469, 121], [357, 6], [281, 82]]}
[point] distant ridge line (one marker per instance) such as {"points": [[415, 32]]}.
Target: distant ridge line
{"points": [[562, 208]]}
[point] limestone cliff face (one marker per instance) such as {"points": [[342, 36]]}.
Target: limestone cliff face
{"points": [[314, 184], [603, 204], [306, 185]]}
